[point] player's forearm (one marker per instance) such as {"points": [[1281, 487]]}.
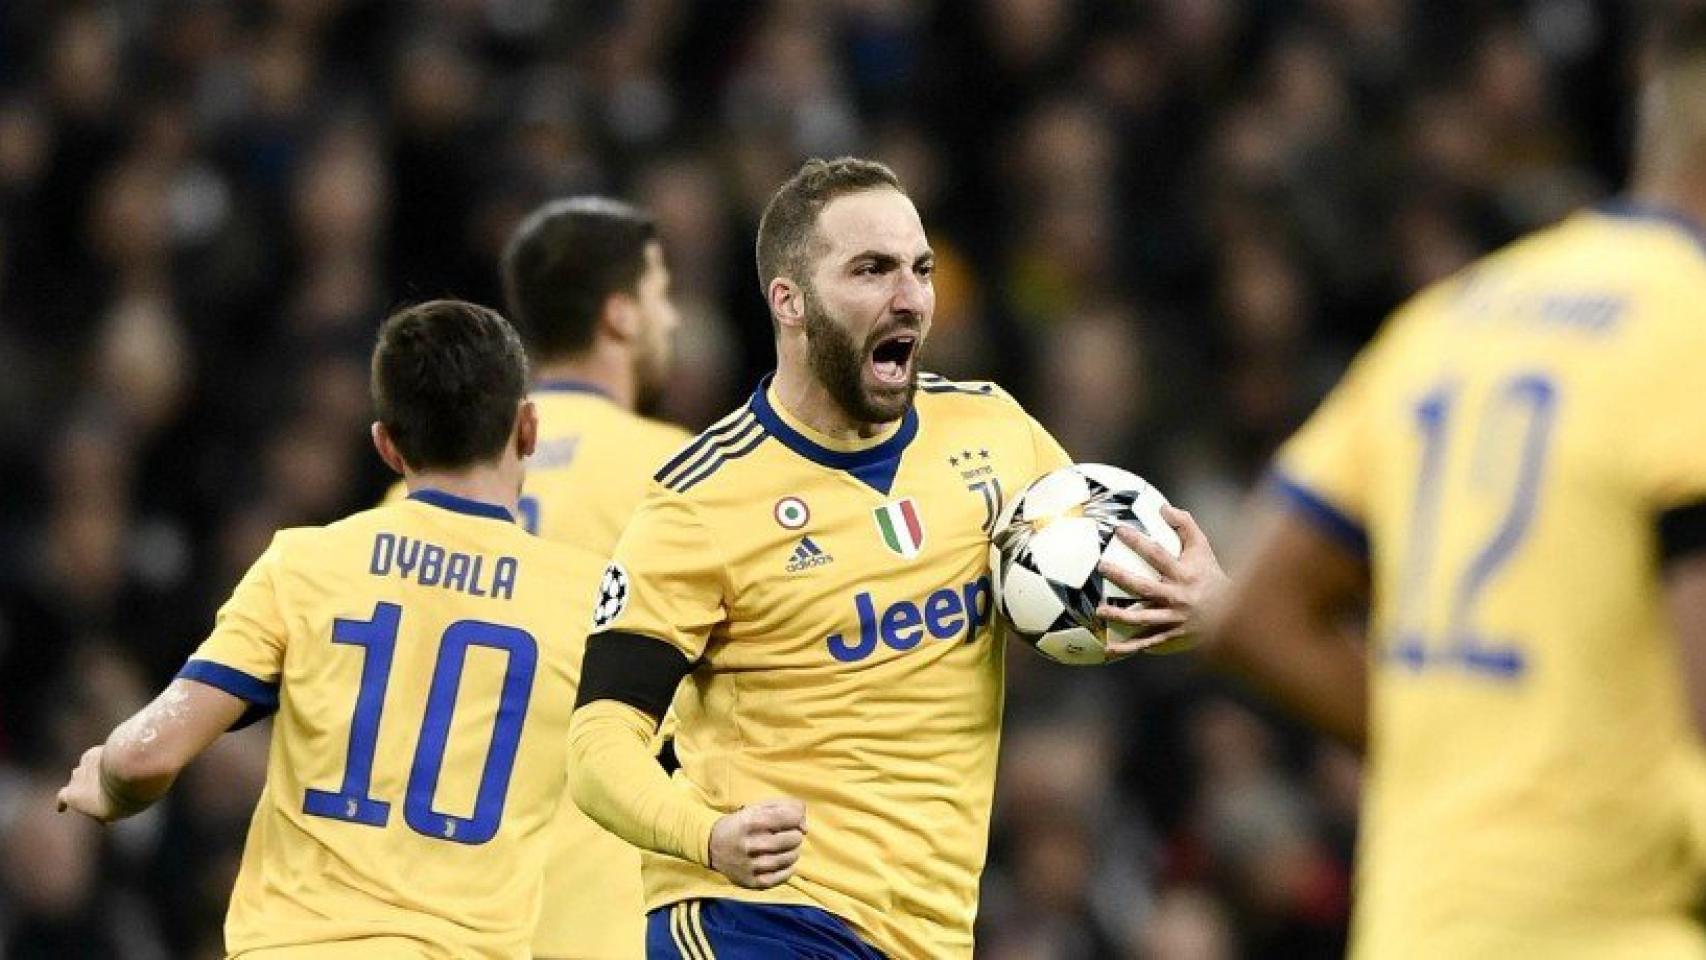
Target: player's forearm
{"points": [[137, 765], [1305, 663], [614, 778], [145, 754], [132, 787]]}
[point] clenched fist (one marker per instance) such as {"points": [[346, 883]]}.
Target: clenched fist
{"points": [[757, 846]]}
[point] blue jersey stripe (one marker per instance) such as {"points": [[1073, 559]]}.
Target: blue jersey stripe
{"points": [[261, 696], [718, 432], [717, 464], [713, 453], [1327, 518]]}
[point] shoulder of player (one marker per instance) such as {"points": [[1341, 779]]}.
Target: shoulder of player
{"points": [[293, 546], [973, 399], [575, 560], [703, 457], [659, 438]]}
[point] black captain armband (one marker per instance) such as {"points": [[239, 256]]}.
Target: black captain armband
{"points": [[631, 668], [1682, 531]]}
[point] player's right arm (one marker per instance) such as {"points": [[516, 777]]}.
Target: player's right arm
{"points": [[1282, 624], [661, 596], [1664, 452], [144, 755], [232, 678]]}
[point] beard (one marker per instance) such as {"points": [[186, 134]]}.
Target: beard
{"points": [[839, 364]]}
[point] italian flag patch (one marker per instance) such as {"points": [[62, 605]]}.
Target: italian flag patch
{"points": [[902, 531]]}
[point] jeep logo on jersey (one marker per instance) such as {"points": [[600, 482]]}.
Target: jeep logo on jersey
{"points": [[900, 527], [943, 615]]}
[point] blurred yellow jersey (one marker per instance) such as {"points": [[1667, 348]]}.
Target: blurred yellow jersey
{"points": [[1503, 451], [838, 603], [583, 482], [422, 659]]}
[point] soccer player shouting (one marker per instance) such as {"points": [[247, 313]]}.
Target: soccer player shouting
{"points": [[815, 568]]}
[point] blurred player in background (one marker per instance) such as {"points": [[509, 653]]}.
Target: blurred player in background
{"points": [[419, 656], [815, 566], [1516, 467], [586, 281]]}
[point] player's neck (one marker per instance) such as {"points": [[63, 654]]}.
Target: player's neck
{"points": [[487, 484], [806, 400], [1685, 195], [611, 375]]}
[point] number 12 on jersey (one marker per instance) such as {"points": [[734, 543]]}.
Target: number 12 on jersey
{"points": [[1529, 403], [353, 803]]}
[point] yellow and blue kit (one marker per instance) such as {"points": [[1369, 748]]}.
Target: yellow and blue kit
{"points": [[584, 480], [421, 657], [834, 602], [1518, 453]]}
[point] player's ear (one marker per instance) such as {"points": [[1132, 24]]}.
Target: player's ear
{"points": [[387, 448], [621, 316], [787, 302], [526, 429]]}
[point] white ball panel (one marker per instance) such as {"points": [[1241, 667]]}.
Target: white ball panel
{"points": [[1076, 646], [1113, 478], [1066, 551], [1148, 508], [997, 568], [1030, 602], [1054, 494], [1123, 556]]}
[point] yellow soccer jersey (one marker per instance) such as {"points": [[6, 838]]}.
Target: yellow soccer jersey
{"points": [[583, 482], [838, 604], [422, 657], [1503, 452], [589, 471]]}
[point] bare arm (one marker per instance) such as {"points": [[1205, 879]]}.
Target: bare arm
{"points": [[143, 755], [1685, 600], [1282, 626]]}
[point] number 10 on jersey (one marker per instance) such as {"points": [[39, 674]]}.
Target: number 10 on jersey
{"points": [[353, 802]]}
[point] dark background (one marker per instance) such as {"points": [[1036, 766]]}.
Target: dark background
{"points": [[1166, 225]]}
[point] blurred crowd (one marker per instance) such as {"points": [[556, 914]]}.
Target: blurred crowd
{"points": [[1165, 224]]}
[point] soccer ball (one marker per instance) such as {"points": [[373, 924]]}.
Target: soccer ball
{"points": [[1045, 549]]}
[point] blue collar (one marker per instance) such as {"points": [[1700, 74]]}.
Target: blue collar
{"points": [[456, 504], [570, 386], [1626, 209], [874, 466]]}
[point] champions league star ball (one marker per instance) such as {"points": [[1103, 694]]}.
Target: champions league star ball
{"points": [[1047, 545]]}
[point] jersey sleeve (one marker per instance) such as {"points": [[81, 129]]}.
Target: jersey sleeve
{"points": [[1320, 472], [1050, 455], [666, 579], [1663, 444], [1046, 452], [244, 655]]}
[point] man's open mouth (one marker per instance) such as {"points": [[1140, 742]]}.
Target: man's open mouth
{"points": [[891, 359]]}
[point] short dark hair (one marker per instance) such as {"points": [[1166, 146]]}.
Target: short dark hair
{"points": [[564, 261], [447, 379], [790, 217]]}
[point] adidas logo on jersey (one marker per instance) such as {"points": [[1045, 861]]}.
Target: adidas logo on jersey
{"points": [[807, 555]]}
